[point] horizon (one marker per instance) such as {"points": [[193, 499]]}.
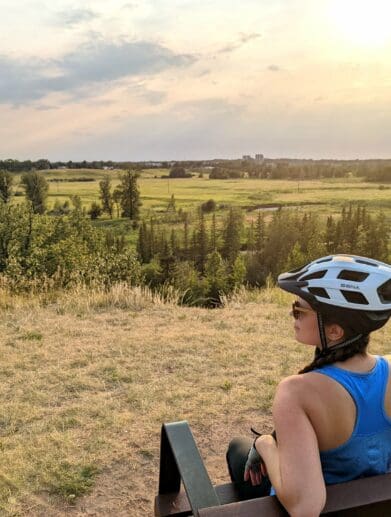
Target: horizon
{"points": [[172, 160], [174, 80]]}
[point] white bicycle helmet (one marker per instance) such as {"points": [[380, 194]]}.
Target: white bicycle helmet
{"points": [[354, 287]]}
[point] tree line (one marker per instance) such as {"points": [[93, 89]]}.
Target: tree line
{"points": [[125, 198], [204, 254], [208, 259], [370, 170]]}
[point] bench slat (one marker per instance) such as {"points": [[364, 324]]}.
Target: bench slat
{"points": [[177, 503], [362, 497]]}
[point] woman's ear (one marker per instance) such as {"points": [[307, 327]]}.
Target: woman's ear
{"points": [[334, 332]]}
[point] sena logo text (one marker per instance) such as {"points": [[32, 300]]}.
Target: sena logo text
{"points": [[350, 286]]}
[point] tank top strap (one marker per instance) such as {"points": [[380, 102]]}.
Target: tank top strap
{"points": [[367, 391]]}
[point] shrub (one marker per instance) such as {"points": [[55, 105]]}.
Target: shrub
{"points": [[209, 206]]}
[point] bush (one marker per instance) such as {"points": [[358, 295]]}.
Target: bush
{"points": [[179, 172], [60, 251], [209, 206]]}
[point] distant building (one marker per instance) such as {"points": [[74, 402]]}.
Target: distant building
{"points": [[247, 157], [259, 157]]}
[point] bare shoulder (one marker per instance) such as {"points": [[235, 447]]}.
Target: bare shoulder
{"points": [[299, 390], [290, 391], [296, 384]]}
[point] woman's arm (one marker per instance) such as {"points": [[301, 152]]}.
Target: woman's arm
{"points": [[293, 464]]}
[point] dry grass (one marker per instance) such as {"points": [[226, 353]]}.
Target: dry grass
{"points": [[88, 378]]}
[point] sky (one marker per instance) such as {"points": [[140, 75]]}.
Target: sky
{"points": [[186, 79]]}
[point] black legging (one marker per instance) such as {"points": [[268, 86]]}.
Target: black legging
{"points": [[236, 458]]}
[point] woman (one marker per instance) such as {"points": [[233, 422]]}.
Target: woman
{"points": [[333, 421]]}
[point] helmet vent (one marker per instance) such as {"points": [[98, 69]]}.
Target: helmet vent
{"points": [[356, 276], [384, 292], [317, 274], [296, 270], [319, 291], [367, 263], [324, 260], [355, 297]]}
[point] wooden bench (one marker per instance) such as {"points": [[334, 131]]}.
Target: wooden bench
{"points": [[181, 463]]}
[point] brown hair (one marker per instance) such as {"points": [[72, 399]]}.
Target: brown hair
{"points": [[331, 356]]}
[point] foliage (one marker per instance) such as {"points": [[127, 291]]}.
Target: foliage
{"points": [[179, 172], [129, 195], [95, 210], [219, 173], [106, 196], [221, 259], [59, 250], [6, 182], [36, 190], [209, 206]]}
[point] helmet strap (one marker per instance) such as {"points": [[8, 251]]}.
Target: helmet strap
{"points": [[322, 333], [343, 344]]}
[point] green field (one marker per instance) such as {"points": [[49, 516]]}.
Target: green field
{"points": [[322, 196]]}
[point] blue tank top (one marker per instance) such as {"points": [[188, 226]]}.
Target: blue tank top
{"points": [[368, 451]]}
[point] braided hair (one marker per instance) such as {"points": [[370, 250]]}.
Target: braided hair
{"points": [[330, 355], [341, 354]]}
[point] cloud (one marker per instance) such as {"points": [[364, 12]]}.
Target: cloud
{"points": [[72, 17], [152, 97], [88, 69], [274, 68], [243, 39], [45, 107], [130, 5]]}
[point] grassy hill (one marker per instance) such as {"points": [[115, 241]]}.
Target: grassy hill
{"points": [[87, 378]]}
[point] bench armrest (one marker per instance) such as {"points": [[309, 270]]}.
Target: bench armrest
{"points": [[181, 460]]}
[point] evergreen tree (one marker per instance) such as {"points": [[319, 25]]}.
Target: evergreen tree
{"points": [[216, 276], [213, 234], [238, 273], [167, 261], [232, 233], [186, 250], [6, 181], [251, 238], [174, 243], [106, 196], [259, 236], [153, 243], [144, 244], [36, 190], [201, 243], [296, 258], [330, 236]]}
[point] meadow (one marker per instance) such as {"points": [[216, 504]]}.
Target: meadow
{"points": [[326, 195], [88, 377]]}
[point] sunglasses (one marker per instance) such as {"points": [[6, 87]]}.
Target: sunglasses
{"points": [[297, 309]]}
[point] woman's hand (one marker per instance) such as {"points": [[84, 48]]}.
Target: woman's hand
{"points": [[252, 468], [255, 467]]}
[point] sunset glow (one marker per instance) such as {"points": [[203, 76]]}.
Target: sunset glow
{"points": [[179, 79], [363, 22]]}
